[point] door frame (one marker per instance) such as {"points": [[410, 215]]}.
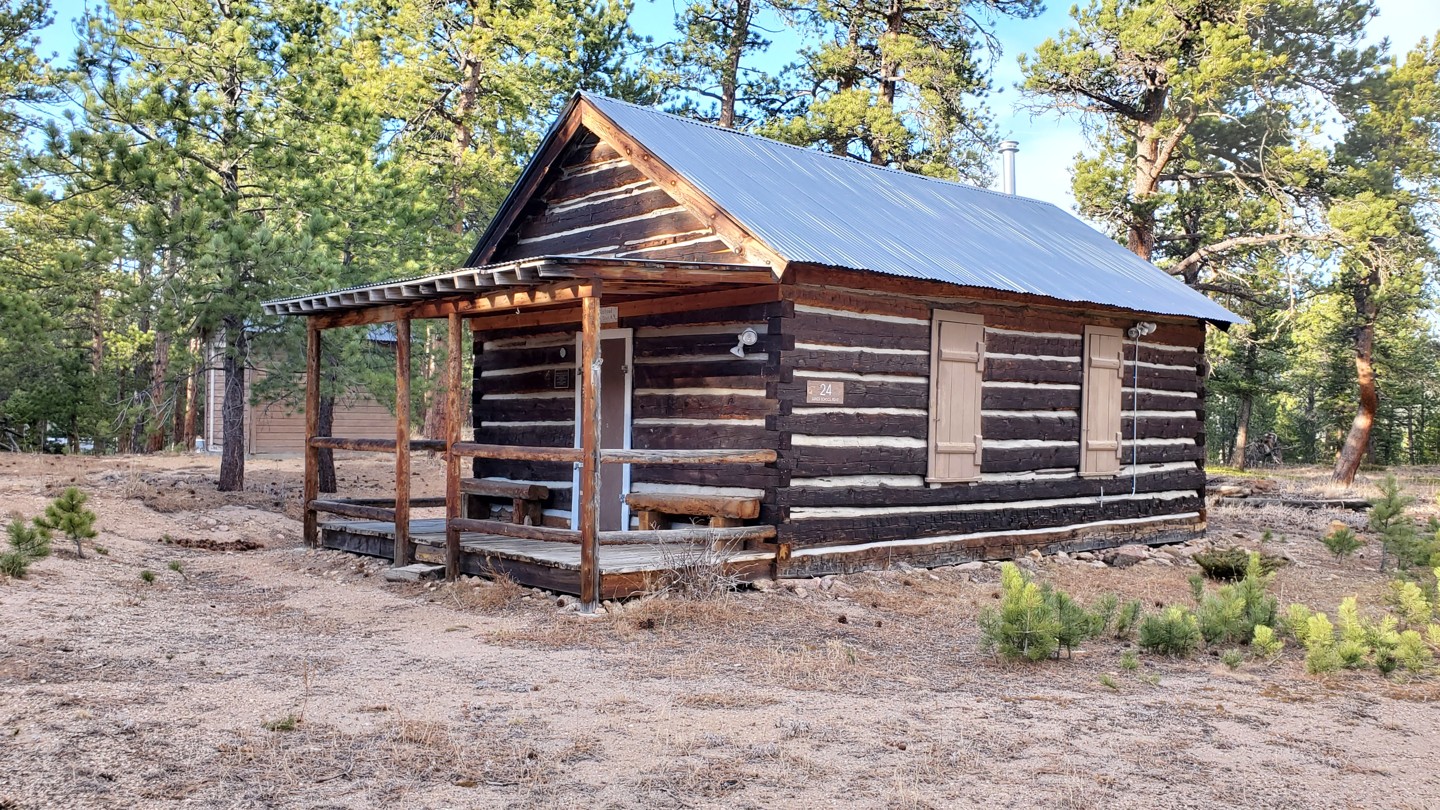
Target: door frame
{"points": [[610, 333]]}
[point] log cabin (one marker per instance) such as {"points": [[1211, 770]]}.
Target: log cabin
{"points": [[688, 342]]}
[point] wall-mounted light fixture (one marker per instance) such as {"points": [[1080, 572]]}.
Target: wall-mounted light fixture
{"points": [[1140, 329], [747, 338]]}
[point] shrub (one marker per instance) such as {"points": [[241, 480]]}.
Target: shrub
{"points": [[1319, 641], [1104, 612], [1229, 564], [28, 543], [1127, 619], [1296, 619], [1342, 542], [1232, 613], [1265, 644], [1024, 626], [147, 576], [1232, 658], [67, 514], [1412, 653], [1409, 601], [1398, 534], [1129, 661], [1035, 621], [1173, 631]]}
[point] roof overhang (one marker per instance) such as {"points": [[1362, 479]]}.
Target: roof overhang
{"points": [[515, 284]]}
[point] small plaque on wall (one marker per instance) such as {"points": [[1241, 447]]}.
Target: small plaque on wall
{"points": [[561, 378], [825, 392], [609, 314]]}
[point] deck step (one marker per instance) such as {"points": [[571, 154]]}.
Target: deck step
{"points": [[414, 573]]}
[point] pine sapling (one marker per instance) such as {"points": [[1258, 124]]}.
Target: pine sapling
{"points": [[1395, 528], [67, 514], [28, 543], [1342, 542]]}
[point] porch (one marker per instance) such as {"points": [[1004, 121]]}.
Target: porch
{"points": [[625, 569], [580, 558]]}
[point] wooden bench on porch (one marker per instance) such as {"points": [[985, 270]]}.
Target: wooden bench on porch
{"points": [[654, 509], [527, 501]]}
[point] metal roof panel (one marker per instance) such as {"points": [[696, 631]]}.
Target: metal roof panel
{"points": [[817, 208]]}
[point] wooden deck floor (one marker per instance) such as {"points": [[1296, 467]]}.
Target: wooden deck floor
{"points": [[624, 569]]}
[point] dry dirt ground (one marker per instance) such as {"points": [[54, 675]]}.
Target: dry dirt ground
{"points": [[281, 677]]}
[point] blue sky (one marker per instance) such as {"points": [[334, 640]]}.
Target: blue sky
{"points": [[1048, 144]]}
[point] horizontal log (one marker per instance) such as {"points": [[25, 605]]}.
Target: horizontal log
{"points": [[503, 489], [371, 445], [353, 510], [722, 317], [1029, 399], [526, 435], [717, 435], [1023, 459], [732, 534], [860, 331], [707, 475], [523, 470], [716, 343], [517, 452], [548, 409], [1353, 504], [1032, 344], [857, 362], [707, 505], [721, 373], [900, 526], [547, 533], [416, 503], [1004, 369], [814, 461], [716, 456], [997, 492], [701, 406], [863, 393], [915, 426], [1041, 427]]}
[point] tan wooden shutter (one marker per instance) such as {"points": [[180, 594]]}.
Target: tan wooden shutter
{"points": [[1101, 404], [957, 366]]}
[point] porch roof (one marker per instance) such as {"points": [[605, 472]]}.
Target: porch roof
{"points": [[620, 277]]}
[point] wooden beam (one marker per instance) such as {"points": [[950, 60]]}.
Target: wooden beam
{"points": [[500, 527], [707, 505], [312, 426], [403, 550], [690, 302], [517, 452], [353, 510], [370, 445], [674, 275], [589, 426], [454, 416], [518, 298], [699, 533], [504, 489], [698, 203]]}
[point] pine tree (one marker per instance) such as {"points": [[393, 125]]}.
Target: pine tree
{"points": [[897, 83], [67, 515], [28, 543], [1388, 519]]}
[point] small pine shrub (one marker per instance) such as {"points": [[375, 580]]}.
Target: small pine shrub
{"points": [[1024, 626], [67, 514], [1396, 529], [1412, 652], [28, 543], [1232, 613], [1104, 611], [1342, 542], [1319, 641], [1265, 644], [1232, 658], [1073, 623], [1296, 620], [1109, 682], [1409, 601], [1127, 619], [1129, 661], [147, 576], [1174, 631], [1197, 588]]}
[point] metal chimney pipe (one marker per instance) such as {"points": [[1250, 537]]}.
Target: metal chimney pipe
{"points": [[1007, 165]]}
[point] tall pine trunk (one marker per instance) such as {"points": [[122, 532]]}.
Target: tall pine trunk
{"points": [[1242, 431], [232, 407], [155, 442], [730, 75], [1347, 465]]}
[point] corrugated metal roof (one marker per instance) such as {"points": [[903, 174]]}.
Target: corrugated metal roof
{"points": [[817, 208]]}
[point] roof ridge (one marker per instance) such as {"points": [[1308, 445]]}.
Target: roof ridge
{"points": [[844, 158]]}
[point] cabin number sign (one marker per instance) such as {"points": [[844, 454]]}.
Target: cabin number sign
{"points": [[824, 392]]}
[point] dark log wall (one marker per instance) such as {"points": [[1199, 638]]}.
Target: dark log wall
{"points": [[599, 204], [855, 472], [688, 391]]}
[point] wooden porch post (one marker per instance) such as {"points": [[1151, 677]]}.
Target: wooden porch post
{"points": [[454, 420], [590, 450], [402, 441], [311, 490]]}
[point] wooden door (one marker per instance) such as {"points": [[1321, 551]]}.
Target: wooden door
{"points": [[1100, 439], [957, 358]]}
